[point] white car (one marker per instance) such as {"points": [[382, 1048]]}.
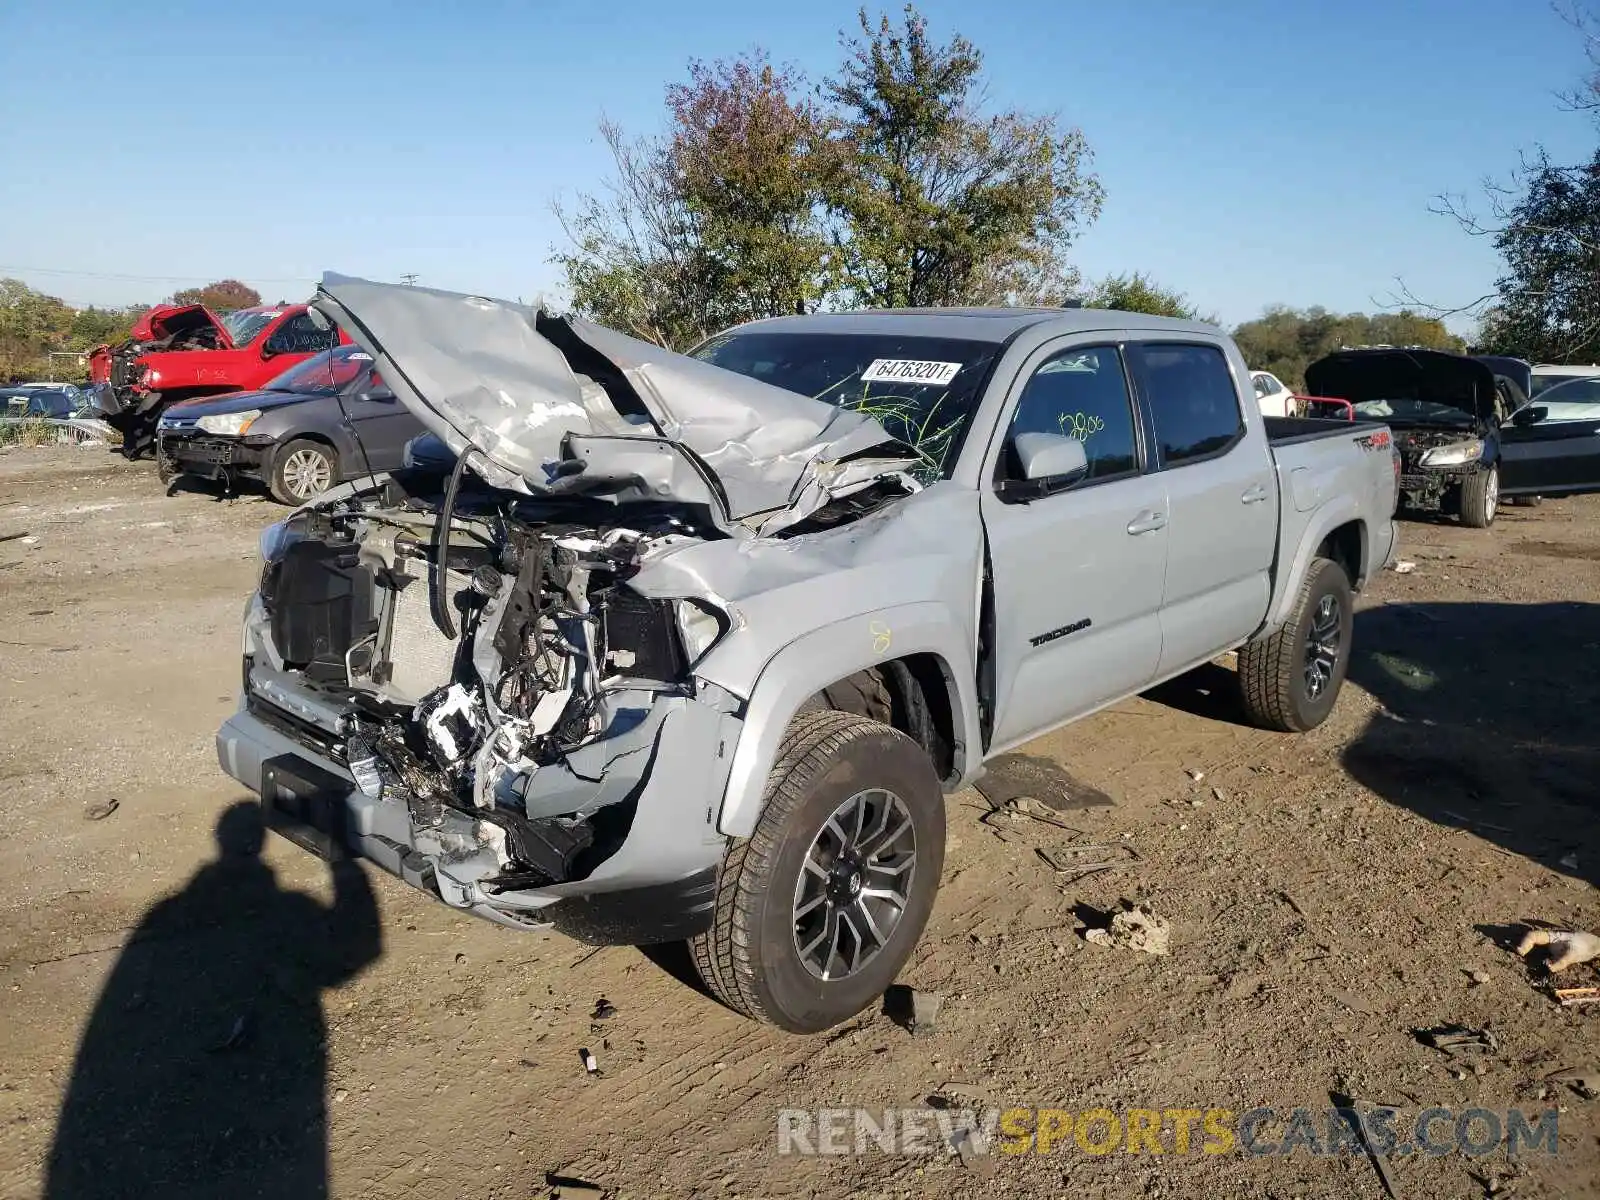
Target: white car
{"points": [[1549, 375], [1275, 399]]}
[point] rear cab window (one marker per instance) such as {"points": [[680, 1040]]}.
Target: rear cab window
{"points": [[1193, 404]]}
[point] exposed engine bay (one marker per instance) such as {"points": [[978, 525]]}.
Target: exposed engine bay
{"points": [[1431, 487], [469, 657], [132, 409]]}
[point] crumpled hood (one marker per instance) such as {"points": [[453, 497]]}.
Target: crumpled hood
{"points": [[535, 394], [165, 320], [1429, 375]]}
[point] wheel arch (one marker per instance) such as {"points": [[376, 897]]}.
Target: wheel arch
{"points": [[1325, 523], [1346, 545], [308, 435], [914, 647]]}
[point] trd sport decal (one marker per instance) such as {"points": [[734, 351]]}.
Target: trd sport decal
{"points": [[1060, 633], [1374, 441]]}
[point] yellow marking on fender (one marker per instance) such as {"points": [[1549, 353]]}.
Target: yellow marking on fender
{"points": [[881, 636]]}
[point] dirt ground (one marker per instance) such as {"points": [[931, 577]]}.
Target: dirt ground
{"points": [[1328, 896]]}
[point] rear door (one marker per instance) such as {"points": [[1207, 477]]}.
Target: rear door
{"points": [[1222, 494], [1076, 576]]}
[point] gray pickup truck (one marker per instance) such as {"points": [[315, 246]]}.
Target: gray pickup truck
{"points": [[651, 647]]}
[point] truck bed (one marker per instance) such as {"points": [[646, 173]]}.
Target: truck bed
{"points": [[1285, 431]]}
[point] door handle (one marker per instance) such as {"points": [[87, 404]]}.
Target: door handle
{"points": [[1148, 522], [1254, 495]]}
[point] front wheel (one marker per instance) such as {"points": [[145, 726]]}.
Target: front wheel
{"points": [[302, 471], [1480, 498], [1290, 680], [820, 908]]}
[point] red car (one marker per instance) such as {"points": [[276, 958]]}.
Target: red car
{"points": [[180, 352]]}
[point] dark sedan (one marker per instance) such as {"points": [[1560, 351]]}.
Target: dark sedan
{"points": [[327, 419], [32, 401]]}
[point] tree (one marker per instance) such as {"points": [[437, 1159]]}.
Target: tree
{"points": [[1285, 341], [631, 262], [716, 223], [223, 296], [1547, 301], [752, 163], [1138, 293], [935, 203], [33, 325], [1545, 223]]}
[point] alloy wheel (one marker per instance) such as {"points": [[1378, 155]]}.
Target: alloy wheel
{"points": [[1322, 646], [307, 473], [855, 884]]}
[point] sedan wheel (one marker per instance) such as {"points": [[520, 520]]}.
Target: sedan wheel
{"points": [[1480, 498], [304, 470]]}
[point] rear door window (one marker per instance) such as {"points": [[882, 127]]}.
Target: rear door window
{"points": [[1193, 405]]}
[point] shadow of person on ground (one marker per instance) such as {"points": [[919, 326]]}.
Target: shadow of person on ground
{"points": [[202, 1069], [1490, 722]]}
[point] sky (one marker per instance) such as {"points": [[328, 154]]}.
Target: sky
{"points": [[1252, 152]]}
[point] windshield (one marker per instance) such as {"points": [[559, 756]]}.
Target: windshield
{"points": [[245, 325], [1426, 412], [921, 389], [329, 372]]}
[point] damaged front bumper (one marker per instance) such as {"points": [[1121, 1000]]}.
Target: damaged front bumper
{"points": [[652, 778], [208, 455]]}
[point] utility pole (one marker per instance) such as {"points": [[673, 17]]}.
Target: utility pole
{"points": [[409, 280]]}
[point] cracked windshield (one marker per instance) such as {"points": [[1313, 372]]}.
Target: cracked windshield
{"points": [[921, 389]]}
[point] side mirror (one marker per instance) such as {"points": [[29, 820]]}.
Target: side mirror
{"points": [[270, 350], [1050, 462], [379, 395], [1525, 417]]}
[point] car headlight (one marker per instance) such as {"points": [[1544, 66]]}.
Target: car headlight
{"points": [[700, 627], [1457, 454], [228, 424]]}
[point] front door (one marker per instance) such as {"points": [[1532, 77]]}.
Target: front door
{"points": [[382, 424], [1550, 457], [1221, 488], [1077, 575]]}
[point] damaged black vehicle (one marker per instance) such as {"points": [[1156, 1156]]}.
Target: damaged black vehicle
{"points": [[1445, 411]]}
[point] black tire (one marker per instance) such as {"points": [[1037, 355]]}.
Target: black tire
{"points": [[750, 959], [291, 455], [1480, 498], [866, 693], [1274, 673], [1526, 501]]}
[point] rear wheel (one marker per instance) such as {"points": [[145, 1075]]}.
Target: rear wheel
{"points": [[302, 471], [820, 908], [1291, 680], [1480, 498]]}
